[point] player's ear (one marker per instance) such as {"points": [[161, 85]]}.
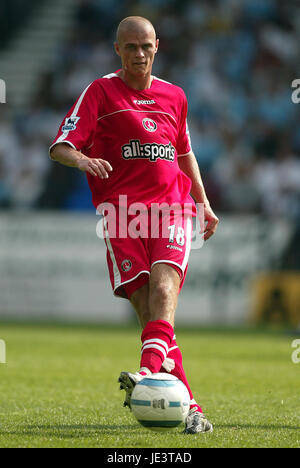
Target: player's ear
{"points": [[117, 50], [156, 45]]}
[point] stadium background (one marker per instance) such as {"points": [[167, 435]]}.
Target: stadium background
{"points": [[236, 60]]}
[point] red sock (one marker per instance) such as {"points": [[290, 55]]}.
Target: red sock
{"points": [[156, 339], [175, 355]]}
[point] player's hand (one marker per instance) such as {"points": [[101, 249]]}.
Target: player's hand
{"points": [[95, 167], [212, 222]]}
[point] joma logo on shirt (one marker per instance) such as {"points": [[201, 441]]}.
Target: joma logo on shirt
{"points": [[136, 101], [151, 151]]}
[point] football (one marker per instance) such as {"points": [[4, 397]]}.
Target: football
{"points": [[160, 402]]}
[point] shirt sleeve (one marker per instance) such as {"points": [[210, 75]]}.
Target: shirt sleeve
{"points": [[184, 145], [79, 125]]}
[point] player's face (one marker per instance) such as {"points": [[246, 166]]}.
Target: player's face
{"points": [[137, 51]]}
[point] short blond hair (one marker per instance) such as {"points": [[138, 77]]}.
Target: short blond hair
{"points": [[133, 23]]}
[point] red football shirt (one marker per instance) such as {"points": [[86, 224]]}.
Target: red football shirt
{"points": [[140, 133]]}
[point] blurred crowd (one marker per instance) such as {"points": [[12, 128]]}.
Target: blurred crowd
{"points": [[13, 15], [235, 59]]}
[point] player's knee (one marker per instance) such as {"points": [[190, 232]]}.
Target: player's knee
{"points": [[162, 290]]}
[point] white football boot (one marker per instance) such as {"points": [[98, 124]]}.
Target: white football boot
{"points": [[196, 422]]}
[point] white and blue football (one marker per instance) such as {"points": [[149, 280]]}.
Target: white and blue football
{"points": [[160, 402]]}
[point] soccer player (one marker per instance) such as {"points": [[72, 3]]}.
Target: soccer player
{"points": [[127, 131]]}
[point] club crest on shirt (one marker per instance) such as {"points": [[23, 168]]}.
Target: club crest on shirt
{"points": [[70, 124], [149, 125], [126, 265]]}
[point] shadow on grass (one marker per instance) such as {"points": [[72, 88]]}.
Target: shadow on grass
{"points": [[71, 431], [82, 430]]}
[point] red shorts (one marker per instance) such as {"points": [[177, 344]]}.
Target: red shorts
{"points": [[139, 242]]}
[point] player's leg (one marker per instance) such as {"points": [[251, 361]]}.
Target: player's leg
{"points": [[152, 303], [157, 300], [158, 332], [174, 249], [155, 305], [170, 249]]}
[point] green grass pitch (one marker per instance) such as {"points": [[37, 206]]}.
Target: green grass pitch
{"points": [[59, 388]]}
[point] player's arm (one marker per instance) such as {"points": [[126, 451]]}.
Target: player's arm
{"points": [[189, 165], [68, 156], [77, 131]]}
